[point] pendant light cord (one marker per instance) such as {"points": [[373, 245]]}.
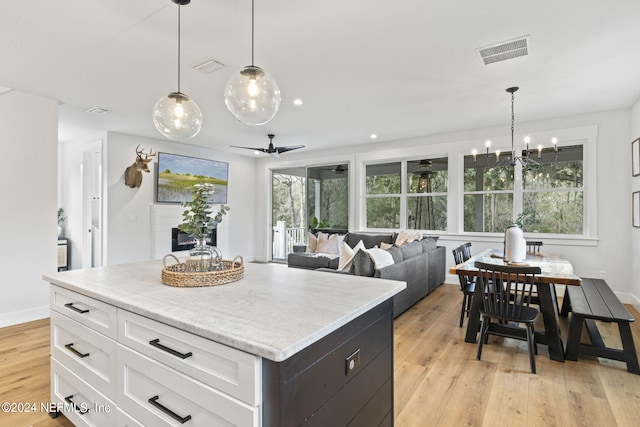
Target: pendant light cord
{"points": [[179, 5], [513, 150], [252, 28]]}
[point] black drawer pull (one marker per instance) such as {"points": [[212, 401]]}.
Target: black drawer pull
{"points": [[75, 406], [79, 310], [74, 351], [154, 402], [156, 343]]}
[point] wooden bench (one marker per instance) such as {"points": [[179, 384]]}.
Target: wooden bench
{"points": [[594, 300]]}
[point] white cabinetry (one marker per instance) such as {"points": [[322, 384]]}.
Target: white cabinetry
{"points": [[112, 367]]}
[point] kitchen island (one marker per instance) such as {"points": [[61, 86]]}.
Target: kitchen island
{"points": [[280, 347]]}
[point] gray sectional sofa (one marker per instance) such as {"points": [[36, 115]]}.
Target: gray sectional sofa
{"points": [[421, 264]]}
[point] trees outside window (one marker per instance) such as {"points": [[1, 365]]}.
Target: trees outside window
{"points": [[550, 196], [553, 194], [488, 194], [423, 198]]}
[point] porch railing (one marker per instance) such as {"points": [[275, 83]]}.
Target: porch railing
{"points": [[284, 238]]}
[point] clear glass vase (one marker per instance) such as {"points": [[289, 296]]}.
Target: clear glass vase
{"points": [[201, 258]]}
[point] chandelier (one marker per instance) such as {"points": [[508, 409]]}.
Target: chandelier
{"points": [[526, 160]]}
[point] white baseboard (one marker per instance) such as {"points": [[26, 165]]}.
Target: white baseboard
{"points": [[16, 317]]}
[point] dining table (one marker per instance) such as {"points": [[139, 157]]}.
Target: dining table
{"points": [[555, 270]]}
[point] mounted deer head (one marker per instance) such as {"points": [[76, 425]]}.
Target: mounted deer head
{"points": [[133, 174]]}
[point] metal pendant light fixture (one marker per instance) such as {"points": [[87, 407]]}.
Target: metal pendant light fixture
{"points": [[252, 95], [526, 161], [175, 115]]}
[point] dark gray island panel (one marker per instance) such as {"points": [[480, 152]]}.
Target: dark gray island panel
{"points": [[346, 378]]}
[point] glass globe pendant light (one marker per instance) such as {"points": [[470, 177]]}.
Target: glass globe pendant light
{"points": [[252, 95], [175, 115]]}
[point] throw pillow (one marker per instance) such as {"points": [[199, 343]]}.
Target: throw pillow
{"points": [[385, 246], [313, 242], [328, 244], [347, 254], [363, 264], [406, 237], [380, 257]]}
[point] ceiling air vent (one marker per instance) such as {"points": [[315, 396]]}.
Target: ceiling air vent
{"points": [[208, 66], [505, 50], [98, 111]]}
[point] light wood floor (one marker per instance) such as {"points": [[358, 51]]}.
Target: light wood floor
{"points": [[438, 382]]}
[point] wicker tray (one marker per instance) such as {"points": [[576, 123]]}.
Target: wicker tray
{"points": [[175, 275]]}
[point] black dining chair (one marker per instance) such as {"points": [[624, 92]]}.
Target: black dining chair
{"points": [[467, 283], [507, 299], [533, 246]]}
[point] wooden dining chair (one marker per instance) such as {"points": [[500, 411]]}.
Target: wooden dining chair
{"points": [[507, 298], [467, 283]]}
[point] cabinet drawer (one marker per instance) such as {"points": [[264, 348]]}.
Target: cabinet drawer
{"points": [[224, 368], [88, 311], [89, 354], [124, 420], [78, 401], [156, 395]]}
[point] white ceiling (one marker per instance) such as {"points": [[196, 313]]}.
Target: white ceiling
{"points": [[397, 69]]}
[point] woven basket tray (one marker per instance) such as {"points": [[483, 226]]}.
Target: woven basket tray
{"points": [[175, 275]]}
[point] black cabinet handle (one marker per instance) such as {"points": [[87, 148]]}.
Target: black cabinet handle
{"points": [[154, 401], [71, 306], [75, 406], [156, 343], [74, 351]]}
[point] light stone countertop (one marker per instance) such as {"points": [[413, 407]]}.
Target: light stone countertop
{"points": [[273, 312]]}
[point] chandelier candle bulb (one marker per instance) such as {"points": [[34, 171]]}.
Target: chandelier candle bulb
{"points": [[539, 151], [497, 156]]}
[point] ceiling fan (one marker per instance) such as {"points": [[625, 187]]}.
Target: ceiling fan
{"points": [[271, 150]]}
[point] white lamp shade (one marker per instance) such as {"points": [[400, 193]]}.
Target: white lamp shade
{"points": [[177, 117], [252, 96]]}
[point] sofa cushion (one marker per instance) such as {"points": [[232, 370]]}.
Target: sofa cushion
{"points": [[328, 243], [396, 253], [405, 237], [310, 260], [411, 250], [428, 244], [380, 257], [313, 242], [369, 240], [347, 254], [363, 264]]}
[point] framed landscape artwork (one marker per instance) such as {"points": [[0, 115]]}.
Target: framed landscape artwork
{"points": [[636, 209], [177, 175], [635, 157]]}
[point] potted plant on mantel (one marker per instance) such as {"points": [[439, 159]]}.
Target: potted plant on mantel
{"points": [[199, 223]]}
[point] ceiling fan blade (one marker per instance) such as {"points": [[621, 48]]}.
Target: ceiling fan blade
{"points": [[289, 148], [264, 150]]}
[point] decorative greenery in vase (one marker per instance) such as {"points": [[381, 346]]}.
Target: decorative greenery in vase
{"points": [[198, 221]]}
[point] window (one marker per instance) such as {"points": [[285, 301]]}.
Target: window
{"points": [[427, 194], [408, 195], [383, 195], [550, 196], [488, 194], [328, 197], [553, 194]]}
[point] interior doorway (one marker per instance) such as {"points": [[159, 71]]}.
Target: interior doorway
{"points": [[92, 209]]}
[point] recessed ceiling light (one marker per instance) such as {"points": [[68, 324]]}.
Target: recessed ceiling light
{"points": [[297, 101], [373, 136]]}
